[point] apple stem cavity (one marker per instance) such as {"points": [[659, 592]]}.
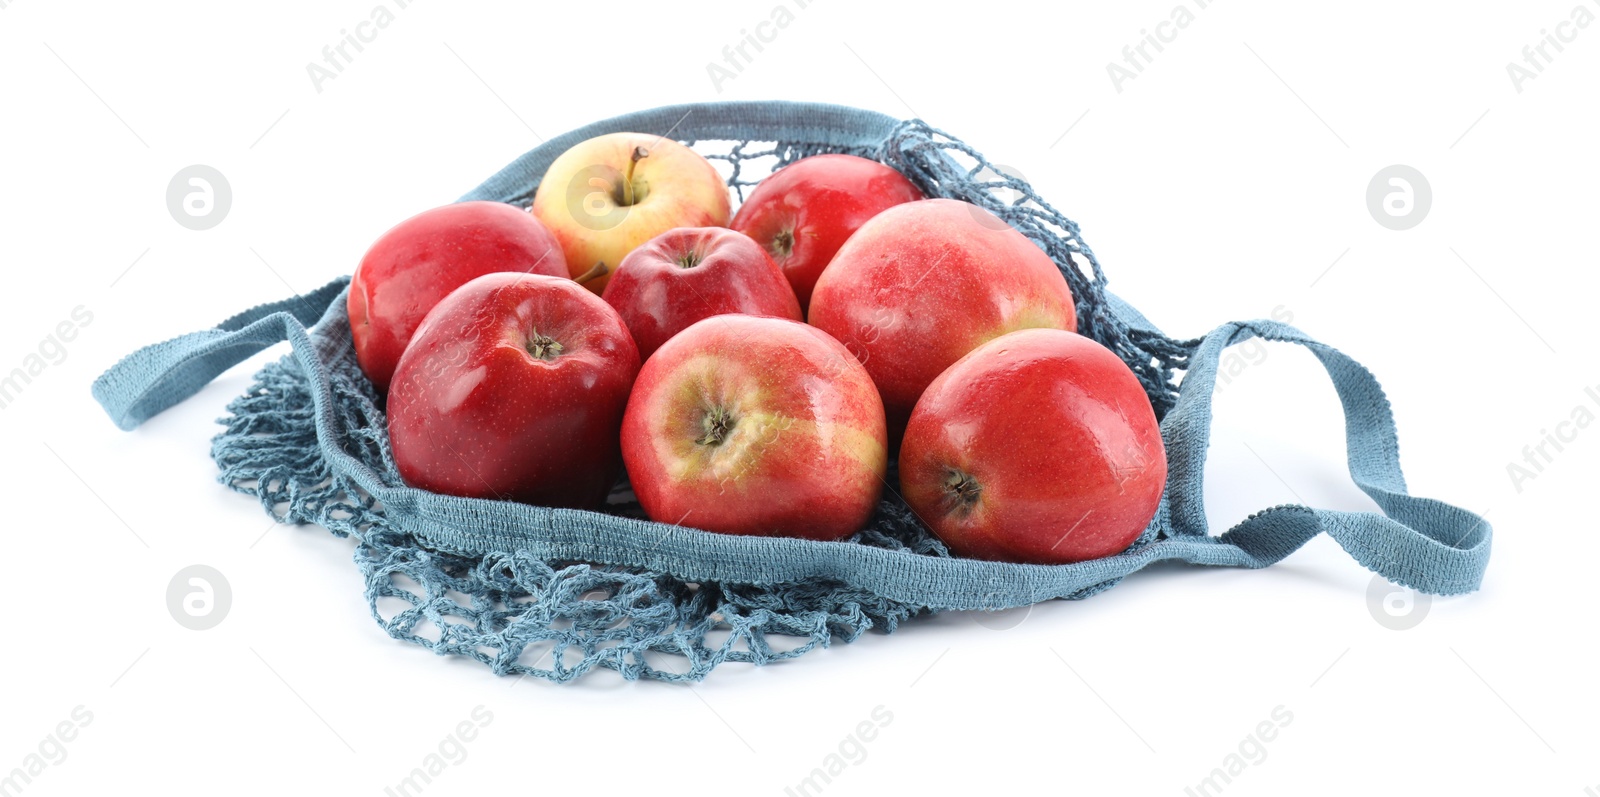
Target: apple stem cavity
{"points": [[717, 424], [596, 271], [689, 259], [544, 348], [961, 491]]}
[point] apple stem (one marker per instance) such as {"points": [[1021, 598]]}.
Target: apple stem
{"points": [[596, 271], [639, 153]]}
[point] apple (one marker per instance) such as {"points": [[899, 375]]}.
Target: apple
{"points": [[513, 387], [1040, 447], [804, 212], [750, 425], [923, 283], [607, 195], [422, 259], [689, 273]]}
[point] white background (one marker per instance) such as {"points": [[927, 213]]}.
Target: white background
{"points": [[1221, 183]]}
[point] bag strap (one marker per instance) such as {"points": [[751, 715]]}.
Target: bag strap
{"points": [[158, 376], [1421, 543], [810, 122]]}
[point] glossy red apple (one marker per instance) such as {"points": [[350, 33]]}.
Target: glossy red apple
{"points": [[804, 212], [923, 283], [749, 425], [422, 259], [1039, 446], [513, 388], [690, 273]]}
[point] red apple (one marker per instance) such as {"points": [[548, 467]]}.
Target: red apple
{"points": [[607, 195], [690, 273], [422, 259], [513, 388], [804, 212], [749, 425], [923, 283], [1039, 446]]}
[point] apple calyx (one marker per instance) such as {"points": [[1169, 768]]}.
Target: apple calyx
{"points": [[717, 424], [596, 271], [541, 347], [782, 244], [961, 492]]}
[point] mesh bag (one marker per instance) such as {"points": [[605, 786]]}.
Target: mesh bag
{"points": [[559, 593]]}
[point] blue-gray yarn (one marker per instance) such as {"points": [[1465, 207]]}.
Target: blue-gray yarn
{"points": [[558, 593]]}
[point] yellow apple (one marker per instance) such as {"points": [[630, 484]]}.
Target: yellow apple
{"points": [[607, 195]]}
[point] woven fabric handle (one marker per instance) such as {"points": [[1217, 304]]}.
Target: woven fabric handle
{"points": [[819, 123], [148, 381], [1421, 543]]}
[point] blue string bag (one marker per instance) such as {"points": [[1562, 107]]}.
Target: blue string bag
{"points": [[559, 593]]}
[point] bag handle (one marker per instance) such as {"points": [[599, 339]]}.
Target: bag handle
{"points": [[811, 122], [160, 375], [1421, 543]]}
